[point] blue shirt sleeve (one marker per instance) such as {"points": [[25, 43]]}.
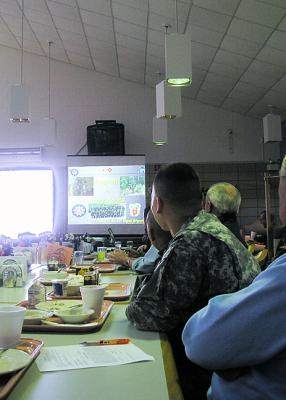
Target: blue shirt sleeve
{"points": [[145, 264], [243, 328]]}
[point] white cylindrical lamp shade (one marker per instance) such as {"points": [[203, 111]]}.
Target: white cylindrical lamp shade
{"points": [[168, 101], [19, 107], [178, 59], [160, 131]]}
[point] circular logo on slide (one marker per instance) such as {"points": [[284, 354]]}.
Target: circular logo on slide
{"points": [[74, 172], [79, 210]]}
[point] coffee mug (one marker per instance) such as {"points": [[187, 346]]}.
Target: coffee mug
{"points": [[92, 297], [11, 322]]}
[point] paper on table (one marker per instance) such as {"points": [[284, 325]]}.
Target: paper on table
{"points": [[59, 358]]}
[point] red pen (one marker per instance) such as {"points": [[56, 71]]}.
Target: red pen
{"points": [[106, 342]]}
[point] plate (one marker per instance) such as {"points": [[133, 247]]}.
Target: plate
{"points": [[13, 360], [57, 305], [35, 316]]}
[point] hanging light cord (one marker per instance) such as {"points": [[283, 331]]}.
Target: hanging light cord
{"points": [[50, 43], [176, 15], [22, 42]]}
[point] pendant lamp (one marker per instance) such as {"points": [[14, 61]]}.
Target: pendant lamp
{"points": [[168, 101], [178, 59], [19, 107], [160, 131]]}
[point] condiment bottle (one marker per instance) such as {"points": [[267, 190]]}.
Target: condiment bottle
{"points": [[36, 294]]}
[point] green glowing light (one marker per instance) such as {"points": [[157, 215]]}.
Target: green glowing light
{"points": [[159, 143], [179, 81]]}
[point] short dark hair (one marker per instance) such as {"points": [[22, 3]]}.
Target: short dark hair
{"points": [[179, 186]]}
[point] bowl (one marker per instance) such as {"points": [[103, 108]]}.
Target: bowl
{"points": [[49, 275], [75, 315], [34, 317]]}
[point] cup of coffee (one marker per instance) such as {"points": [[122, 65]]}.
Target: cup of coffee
{"points": [[92, 297], [101, 253], [11, 322]]}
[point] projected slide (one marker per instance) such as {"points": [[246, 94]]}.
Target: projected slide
{"points": [[106, 195]]}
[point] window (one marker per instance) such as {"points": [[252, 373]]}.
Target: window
{"points": [[26, 201]]}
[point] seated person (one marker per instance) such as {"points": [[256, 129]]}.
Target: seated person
{"points": [[223, 199], [202, 260], [241, 336], [146, 264], [259, 227]]}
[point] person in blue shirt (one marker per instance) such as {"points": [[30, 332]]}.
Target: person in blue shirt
{"points": [[242, 336]]}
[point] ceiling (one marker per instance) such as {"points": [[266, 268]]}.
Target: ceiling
{"points": [[238, 46]]}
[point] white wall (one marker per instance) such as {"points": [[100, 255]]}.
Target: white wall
{"points": [[80, 96]]}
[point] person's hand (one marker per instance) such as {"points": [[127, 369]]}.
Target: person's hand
{"points": [[142, 249], [118, 257]]}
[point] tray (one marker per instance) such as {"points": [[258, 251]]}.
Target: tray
{"points": [[115, 292], [9, 381], [53, 324], [103, 267]]}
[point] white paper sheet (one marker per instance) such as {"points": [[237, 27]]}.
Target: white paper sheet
{"points": [[59, 358]]}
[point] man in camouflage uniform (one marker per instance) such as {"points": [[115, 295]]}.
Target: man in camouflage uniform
{"points": [[203, 259]]}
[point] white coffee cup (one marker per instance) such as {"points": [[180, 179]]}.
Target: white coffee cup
{"points": [[92, 297], [11, 322], [252, 235]]}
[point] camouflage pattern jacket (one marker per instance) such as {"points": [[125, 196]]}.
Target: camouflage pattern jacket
{"points": [[203, 259]]}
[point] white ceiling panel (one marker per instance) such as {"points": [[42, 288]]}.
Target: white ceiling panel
{"points": [[249, 31], [109, 68], [166, 8], [258, 12], [129, 29], [273, 56], [206, 18], [236, 105], [240, 46], [221, 6], [130, 14], [72, 38], [205, 36], [263, 68], [280, 86], [209, 97], [96, 44], [68, 2], [277, 3], [80, 60], [276, 99], [39, 5], [68, 25], [202, 55], [141, 4], [157, 22], [98, 6], [130, 43], [217, 83], [10, 8], [226, 70], [151, 80], [64, 11], [232, 59], [102, 21], [132, 74], [244, 91], [156, 64], [277, 40], [8, 40], [156, 50], [45, 32], [37, 16], [94, 32], [282, 25], [258, 79], [157, 37]]}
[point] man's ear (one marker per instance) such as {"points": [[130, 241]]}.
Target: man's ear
{"points": [[160, 205]]}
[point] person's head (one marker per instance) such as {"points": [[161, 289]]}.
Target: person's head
{"points": [[282, 192], [157, 236], [222, 198], [176, 194]]}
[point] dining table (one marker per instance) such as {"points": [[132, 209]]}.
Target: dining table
{"points": [[137, 381]]}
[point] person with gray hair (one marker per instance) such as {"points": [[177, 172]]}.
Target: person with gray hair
{"points": [[223, 199], [241, 336]]}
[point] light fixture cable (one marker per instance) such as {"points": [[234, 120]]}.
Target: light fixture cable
{"points": [[176, 16], [49, 86], [22, 43]]}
